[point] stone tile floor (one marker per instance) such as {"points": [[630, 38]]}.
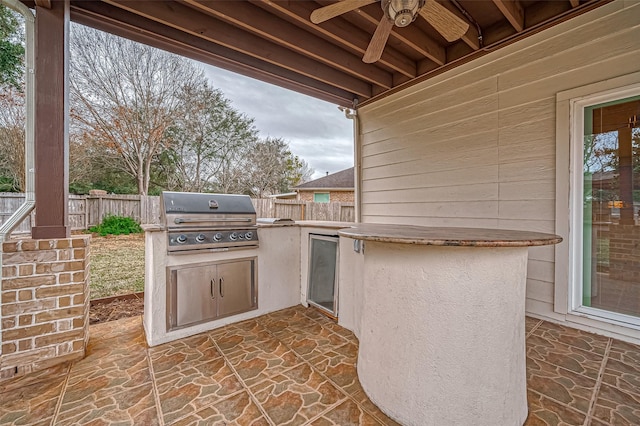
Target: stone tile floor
{"points": [[295, 367]]}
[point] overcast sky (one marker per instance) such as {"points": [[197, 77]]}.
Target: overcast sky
{"points": [[316, 130]]}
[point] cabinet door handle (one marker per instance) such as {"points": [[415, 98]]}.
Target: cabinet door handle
{"points": [[212, 289], [221, 284]]}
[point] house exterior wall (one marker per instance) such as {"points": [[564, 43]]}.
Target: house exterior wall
{"points": [[45, 303], [476, 146], [334, 196]]}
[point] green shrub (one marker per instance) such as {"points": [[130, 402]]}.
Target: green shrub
{"points": [[117, 225]]}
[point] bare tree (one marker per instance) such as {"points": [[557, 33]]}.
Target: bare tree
{"points": [[126, 96], [209, 135], [299, 171], [271, 168], [12, 134]]}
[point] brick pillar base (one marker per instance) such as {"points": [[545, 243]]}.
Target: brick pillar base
{"points": [[44, 299]]}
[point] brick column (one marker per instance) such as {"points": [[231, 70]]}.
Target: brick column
{"points": [[44, 303]]}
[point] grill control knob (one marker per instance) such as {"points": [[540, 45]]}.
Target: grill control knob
{"points": [[181, 239], [248, 235], [200, 238], [233, 236], [217, 237]]}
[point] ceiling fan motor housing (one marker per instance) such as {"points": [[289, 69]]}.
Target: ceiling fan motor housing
{"points": [[401, 12]]}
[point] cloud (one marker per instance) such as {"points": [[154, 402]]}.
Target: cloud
{"points": [[316, 130]]}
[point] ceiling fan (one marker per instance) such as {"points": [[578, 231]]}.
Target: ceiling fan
{"points": [[399, 13]]}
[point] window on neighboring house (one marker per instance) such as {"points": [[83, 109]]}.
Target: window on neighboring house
{"points": [[320, 197], [606, 205]]}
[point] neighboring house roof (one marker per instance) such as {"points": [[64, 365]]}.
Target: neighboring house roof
{"points": [[342, 180]]}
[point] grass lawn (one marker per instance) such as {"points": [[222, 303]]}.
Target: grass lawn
{"points": [[117, 265]]}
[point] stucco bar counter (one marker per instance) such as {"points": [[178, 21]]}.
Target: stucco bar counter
{"points": [[442, 333]]}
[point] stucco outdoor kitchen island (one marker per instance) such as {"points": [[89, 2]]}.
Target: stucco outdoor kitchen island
{"points": [[442, 334]]}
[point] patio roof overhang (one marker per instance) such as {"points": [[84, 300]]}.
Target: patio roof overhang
{"points": [[273, 41], [276, 42]]}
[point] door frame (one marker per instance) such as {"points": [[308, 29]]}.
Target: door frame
{"points": [[569, 201]]}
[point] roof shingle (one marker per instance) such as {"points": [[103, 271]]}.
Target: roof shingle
{"points": [[343, 179]]}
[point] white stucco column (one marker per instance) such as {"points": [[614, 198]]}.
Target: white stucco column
{"points": [[442, 323], [442, 338]]}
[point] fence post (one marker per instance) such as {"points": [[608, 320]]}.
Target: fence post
{"points": [[140, 204], [100, 208], [85, 206]]}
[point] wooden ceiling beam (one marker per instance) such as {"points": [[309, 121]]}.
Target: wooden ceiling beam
{"points": [[410, 36], [339, 31], [104, 17], [44, 3], [268, 26], [574, 3], [513, 11], [185, 19]]}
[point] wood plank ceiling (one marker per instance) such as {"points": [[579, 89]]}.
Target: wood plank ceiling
{"points": [[275, 41]]}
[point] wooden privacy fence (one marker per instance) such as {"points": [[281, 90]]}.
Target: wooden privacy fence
{"points": [[304, 210], [89, 210], [86, 211]]}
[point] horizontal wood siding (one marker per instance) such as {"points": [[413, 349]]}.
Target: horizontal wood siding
{"points": [[476, 146]]}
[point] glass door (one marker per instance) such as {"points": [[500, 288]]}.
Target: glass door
{"points": [[610, 286]]}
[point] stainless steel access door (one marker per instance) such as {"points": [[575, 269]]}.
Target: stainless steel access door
{"points": [[192, 295], [204, 292], [236, 287], [323, 272]]}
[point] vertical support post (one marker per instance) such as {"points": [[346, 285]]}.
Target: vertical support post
{"points": [[52, 121], [625, 170]]}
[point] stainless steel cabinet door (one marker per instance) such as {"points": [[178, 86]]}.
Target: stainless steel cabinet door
{"points": [[194, 295], [236, 287], [323, 272]]}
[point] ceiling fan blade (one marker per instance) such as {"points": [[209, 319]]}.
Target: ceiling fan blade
{"points": [[327, 12], [443, 20], [379, 39]]}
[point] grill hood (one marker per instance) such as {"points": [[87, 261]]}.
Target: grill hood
{"points": [[200, 203], [197, 221]]}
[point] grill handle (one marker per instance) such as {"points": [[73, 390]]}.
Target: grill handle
{"points": [[180, 220], [212, 289], [221, 284]]}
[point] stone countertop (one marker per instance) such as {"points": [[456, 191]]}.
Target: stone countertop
{"points": [[309, 224], [445, 236], [324, 224], [152, 228]]}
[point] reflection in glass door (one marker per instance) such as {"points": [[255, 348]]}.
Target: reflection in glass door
{"points": [[611, 200]]}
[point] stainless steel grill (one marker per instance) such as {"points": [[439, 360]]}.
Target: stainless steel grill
{"points": [[196, 221]]}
